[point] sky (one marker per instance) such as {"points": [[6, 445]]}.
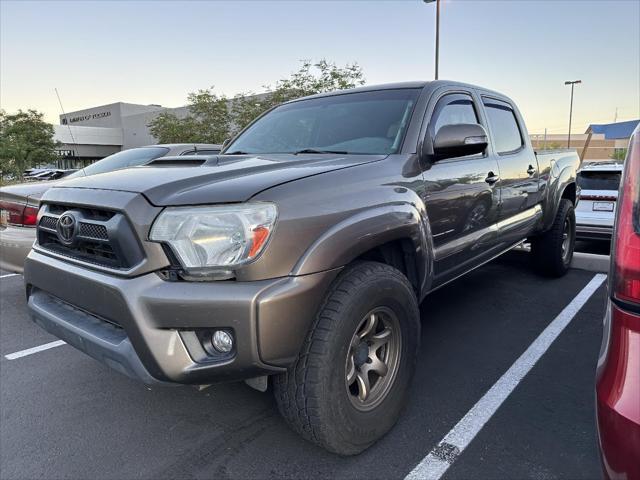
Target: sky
{"points": [[100, 52]]}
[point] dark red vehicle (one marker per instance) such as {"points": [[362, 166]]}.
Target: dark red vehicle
{"points": [[618, 377]]}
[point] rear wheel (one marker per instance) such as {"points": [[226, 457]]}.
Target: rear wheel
{"points": [[350, 381], [553, 250]]}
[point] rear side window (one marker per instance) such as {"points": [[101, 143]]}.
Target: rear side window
{"points": [[599, 180], [453, 109], [504, 125]]}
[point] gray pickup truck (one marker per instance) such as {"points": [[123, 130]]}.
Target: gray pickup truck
{"points": [[298, 256]]}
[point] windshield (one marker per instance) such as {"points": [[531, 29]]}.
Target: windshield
{"points": [[599, 180], [360, 123], [124, 159]]}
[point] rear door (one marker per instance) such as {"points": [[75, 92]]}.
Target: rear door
{"points": [[462, 195], [518, 166]]}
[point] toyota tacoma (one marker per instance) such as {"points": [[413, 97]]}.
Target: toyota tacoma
{"points": [[297, 258]]}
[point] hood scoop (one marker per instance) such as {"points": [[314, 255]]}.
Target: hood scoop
{"points": [[183, 161]]}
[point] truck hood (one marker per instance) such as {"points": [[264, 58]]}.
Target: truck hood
{"points": [[223, 179]]}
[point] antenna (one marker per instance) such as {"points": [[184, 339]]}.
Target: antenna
{"points": [[73, 140], [615, 118]]}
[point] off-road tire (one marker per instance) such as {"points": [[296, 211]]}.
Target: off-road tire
{"points": [[312, 396], [547, 249]]}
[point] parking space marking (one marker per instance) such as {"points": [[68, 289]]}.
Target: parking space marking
{"points": [[9, 275], [31, 351], [438, 461]]}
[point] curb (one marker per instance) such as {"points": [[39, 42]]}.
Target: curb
{"points": [[591, 262]]}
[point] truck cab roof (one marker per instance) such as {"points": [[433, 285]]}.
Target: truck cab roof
{"points": [[434, 84]]}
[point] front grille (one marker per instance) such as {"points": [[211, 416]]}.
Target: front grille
{"points": [[87, 212], [49, 222], [85, 250], [87, 230], [91, 230], [103, 238]]}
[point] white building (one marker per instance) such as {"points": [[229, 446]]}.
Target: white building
{"points": [[93, 133]]}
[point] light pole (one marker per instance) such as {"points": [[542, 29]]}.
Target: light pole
{"points": [[437, 32], [572, 83]]}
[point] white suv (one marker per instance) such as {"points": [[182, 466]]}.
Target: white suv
{"points": [[596, 209]]}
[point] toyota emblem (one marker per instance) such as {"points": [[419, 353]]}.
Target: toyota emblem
{"points": [[66, 228]]}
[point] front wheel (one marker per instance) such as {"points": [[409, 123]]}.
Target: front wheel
{"points": [[350, 382], [553, 250]]}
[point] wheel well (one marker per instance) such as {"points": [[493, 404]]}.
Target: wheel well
{"points": [[399, 254], [570, 193]]}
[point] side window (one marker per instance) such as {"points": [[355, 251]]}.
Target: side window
{"points": [[453, 109], [504, 125]]}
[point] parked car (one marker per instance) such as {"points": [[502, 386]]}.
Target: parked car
{"points": [[599, 183], [302, 252], [53, 174], [35, 170], [19, 203], [49, 173], [618, 375]]}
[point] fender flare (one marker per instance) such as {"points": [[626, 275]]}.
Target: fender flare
{"points": [[564, 177], [368, 229]]}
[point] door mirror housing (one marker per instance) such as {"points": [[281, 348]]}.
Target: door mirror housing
{"points": [[460, 140]]}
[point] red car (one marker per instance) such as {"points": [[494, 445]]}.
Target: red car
{"points": [[618, 376]]}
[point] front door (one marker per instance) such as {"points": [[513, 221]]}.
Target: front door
{"points": [[462, 195]]}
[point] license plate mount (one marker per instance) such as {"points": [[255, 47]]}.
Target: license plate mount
{"points": [[603, 206]]}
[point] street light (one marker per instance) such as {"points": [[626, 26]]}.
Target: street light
{"points": [[437, 31], [572, 83]]}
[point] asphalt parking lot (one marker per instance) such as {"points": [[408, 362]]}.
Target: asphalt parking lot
{"points": [[63, 415]]}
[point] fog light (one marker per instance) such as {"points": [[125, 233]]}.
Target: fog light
{"points": [[222, 341]]}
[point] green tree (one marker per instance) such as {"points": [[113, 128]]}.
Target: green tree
{"points": [[246, 107], [311, 78], [619, 154], [26, 140], [213, 118], [208, 121]]}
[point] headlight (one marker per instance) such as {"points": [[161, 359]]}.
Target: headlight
{"points": [[215, 237]]}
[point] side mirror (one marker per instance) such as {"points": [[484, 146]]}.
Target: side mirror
{"points": [[225, 143], [460, 140]]}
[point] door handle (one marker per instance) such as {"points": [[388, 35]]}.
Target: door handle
{"points": [[492, 178], [531, 170]]}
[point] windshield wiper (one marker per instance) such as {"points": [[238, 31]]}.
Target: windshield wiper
{"points": [[237, 152], [313, 150]]}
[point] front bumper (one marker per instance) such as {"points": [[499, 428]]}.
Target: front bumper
{"points": [[145, 326], [15, 243]]}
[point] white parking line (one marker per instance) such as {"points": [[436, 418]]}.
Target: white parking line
{"points": [[31, 351], [9, 275], [438, 461]]}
